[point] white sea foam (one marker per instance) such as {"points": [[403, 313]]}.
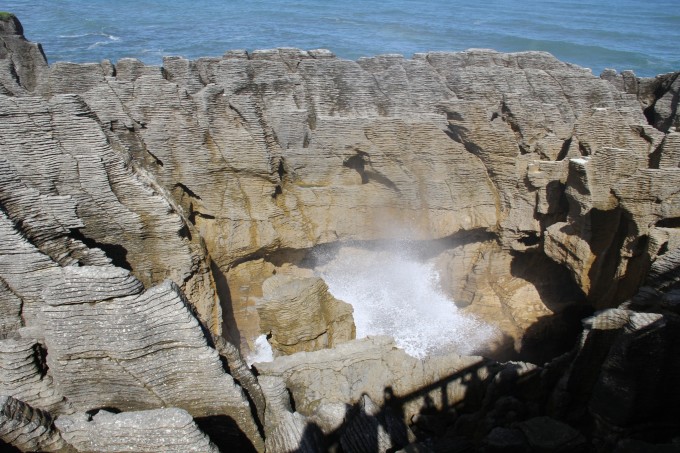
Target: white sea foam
{"points": [[394, 294], [74, 36], [97, 44], [262, 353]]}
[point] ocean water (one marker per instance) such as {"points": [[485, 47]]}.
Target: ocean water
{"points": [[641, 35]]}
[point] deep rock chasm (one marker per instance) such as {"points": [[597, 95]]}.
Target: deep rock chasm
{"points": [[160, 225]]}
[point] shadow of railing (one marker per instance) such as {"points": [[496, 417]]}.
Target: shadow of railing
{"points": [[369, 427]]}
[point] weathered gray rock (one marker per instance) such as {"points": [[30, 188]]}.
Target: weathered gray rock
{"points": [[390, 141], [638, 446], [26, 428], [658, 95], [23, 378], [81, 195], [589, 240], [22, 62], [286, 430], [160, 430], [217, 172], [505, 440], [418, 447], [145, 352], [620, 375], [664, 114], [242, 373], [371, 430]]}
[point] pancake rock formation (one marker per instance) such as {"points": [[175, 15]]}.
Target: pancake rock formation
{"points": [[156, 221]]}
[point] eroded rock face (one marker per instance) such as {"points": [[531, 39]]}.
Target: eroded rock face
{"points": [[25, 376], [282, 150], [21, 62], [27, 428], [620, 375], [161, 430]]}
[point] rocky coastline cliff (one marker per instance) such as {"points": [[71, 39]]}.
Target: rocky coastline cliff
{"points": [[155, 221]]}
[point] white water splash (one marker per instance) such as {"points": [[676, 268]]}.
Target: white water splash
{"points": [[394, 294], [262, 351]]}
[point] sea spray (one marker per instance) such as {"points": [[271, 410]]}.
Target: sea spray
{"points": [[395, 294], [262, 351]]}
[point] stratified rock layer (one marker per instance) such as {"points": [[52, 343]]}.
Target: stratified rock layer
{"points": [[161, 430], [299, 314], [27, 428]]}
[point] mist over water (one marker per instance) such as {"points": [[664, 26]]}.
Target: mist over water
{"points": [[394, 294]]}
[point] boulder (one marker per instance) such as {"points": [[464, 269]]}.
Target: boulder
{"points": [[299, 314]]}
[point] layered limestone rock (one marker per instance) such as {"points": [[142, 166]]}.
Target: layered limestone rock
{"points": [[21, 61], [27, 428], [299, 314], [285, 429], [161, 430], [622, 374], [147, 351], [75, 219], [81, 203], [658, 95], [295, 151], [25, 376]]}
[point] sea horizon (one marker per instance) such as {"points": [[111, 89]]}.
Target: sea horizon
{"points": [[626, 35]]}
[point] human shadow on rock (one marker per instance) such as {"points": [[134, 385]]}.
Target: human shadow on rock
{"points": [[369, 427]]}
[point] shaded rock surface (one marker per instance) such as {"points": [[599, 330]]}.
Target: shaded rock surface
{"points": [[144, 210], [287, 430], [27, 428], [547, 434], [372, 431]]}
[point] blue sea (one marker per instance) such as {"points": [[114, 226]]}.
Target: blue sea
{"points": [[642, 35]]}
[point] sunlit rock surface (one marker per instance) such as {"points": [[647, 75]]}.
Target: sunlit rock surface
{"points": [[145, 211], [160, 430], [299, 314]]}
